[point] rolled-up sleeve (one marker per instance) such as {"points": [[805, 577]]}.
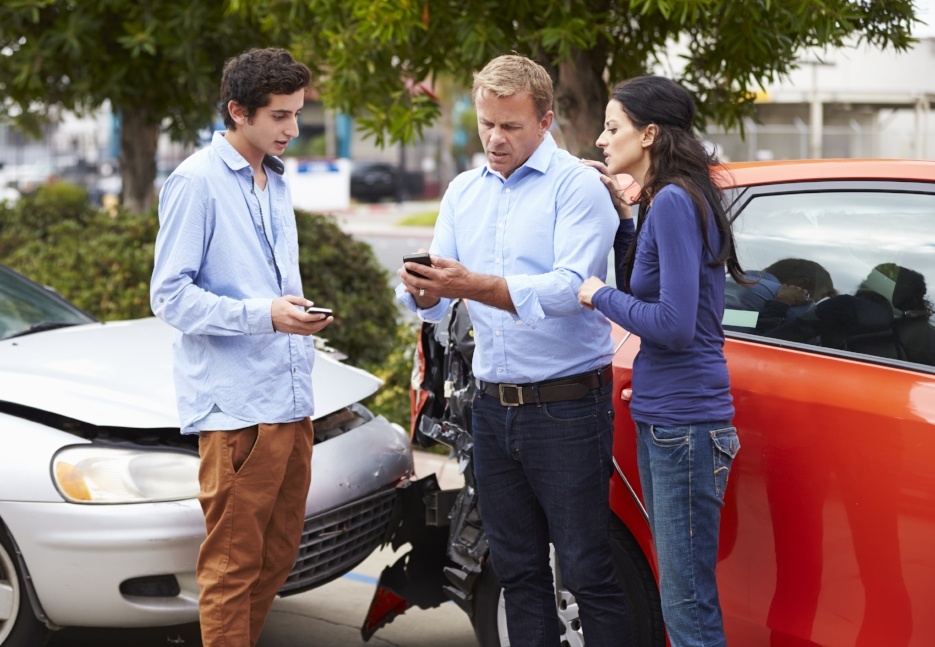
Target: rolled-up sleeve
{"points": [[585, 225]]}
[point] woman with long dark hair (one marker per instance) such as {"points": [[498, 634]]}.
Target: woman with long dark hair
{"points": [[671, 279]]}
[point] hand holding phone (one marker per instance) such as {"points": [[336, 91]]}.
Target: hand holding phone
{"points": [[422, 258], [314, 310]]}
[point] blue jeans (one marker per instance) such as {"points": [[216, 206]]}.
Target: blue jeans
{"points": [[683, 471], [543, 475]]}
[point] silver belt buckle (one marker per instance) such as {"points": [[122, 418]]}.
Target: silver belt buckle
{"points": [[518, 391]]}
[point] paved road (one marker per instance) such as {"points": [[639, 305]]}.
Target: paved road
{"points": [[376, 225]]}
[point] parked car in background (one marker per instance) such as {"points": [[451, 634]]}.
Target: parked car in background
{"points": [[26, 178], [374, 181], [99, 524], [829, 518]]}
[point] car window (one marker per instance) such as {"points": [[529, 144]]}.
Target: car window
{"points": [[26, 306], [847, 269]]}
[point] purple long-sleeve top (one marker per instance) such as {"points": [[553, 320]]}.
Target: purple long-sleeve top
{"points": [[677, 302]]}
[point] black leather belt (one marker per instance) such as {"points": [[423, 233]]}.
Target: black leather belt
{"points": [[573, 387]]}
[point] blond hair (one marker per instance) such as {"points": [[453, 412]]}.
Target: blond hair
{"points": [[512, 74]]}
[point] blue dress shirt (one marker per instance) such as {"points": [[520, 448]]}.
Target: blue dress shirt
{"points": [[545, 229], [215, 277]]}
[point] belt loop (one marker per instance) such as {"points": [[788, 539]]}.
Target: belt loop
{"points": [[535, 395]]}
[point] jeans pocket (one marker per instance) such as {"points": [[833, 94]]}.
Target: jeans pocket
{"points": [[670, 436], [571, 410], [725, 444]]}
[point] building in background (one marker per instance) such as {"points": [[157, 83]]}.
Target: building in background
{"points": [[854, 102]]}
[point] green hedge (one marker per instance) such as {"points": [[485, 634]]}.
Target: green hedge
{"points": [[102, 262], [343, 274]]}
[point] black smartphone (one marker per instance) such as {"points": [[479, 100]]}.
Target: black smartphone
{"points": [[315, 310], [422, 258]]}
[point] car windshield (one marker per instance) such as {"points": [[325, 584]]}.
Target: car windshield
{"points": [[26, 307]]}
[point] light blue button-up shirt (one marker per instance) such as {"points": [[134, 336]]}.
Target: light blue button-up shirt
{"points": [[215, 277], [545, 229]]}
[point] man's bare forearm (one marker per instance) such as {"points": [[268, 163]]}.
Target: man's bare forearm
{"points": [[492, 291]]}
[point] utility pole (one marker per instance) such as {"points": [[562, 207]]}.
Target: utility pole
{"points": [[816, 111]]}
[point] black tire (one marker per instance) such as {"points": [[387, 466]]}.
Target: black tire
{"points": [[19, 626], [636, 579], [489, 621]]}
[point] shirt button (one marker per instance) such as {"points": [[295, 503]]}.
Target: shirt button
{"points": [[499, 369], [498, 261], [508, 190], [497, 333], [500, 225]]}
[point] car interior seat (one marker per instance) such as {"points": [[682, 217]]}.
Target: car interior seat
{"points": [[912, 326]]}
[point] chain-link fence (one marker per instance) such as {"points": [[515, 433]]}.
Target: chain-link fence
{"points": [[887, 138]]}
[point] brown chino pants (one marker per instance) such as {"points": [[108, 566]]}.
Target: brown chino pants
{"points": [[254, 483]]}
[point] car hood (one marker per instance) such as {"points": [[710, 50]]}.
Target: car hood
{"points": [[119, 374]]}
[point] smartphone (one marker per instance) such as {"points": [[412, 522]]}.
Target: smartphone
{"points": [[315, 310], [422, 258]]}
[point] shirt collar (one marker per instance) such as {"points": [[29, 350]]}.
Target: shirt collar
{"points": [[235, 161], [538, 161]]}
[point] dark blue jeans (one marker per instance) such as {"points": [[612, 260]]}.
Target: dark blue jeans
{"points": [[543, 475]]}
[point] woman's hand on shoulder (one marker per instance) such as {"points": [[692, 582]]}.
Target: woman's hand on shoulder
{"points": [[617, 193]]}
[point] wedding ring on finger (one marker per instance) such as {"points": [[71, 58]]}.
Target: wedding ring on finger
{"points": [[421, 292]]}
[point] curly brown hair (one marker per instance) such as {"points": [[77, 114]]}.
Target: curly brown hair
{"points": [[250, 78]]}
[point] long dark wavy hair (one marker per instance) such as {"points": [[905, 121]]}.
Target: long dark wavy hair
{"points": [[676, 157]]}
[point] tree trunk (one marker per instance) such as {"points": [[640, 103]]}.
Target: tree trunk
{"points": [[139, 134], [580, 99]]}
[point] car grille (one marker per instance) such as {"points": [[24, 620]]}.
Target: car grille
{"points": [[336, 541]]}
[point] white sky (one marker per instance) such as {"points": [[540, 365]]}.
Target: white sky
{"points": [[925, 10]]}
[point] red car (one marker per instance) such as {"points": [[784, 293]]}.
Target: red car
{"points": [[828, 529]]}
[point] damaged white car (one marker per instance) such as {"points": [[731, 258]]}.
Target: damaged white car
{"points": [[99, 524]]}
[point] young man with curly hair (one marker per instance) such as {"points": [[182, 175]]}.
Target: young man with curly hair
{"points": [[227, 278]]}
